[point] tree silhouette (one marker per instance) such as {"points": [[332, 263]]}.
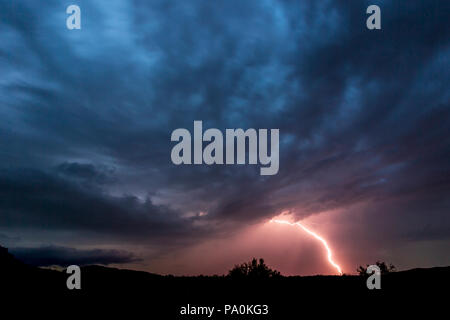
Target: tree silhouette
{"points": [[253, 270], [384, 268]]}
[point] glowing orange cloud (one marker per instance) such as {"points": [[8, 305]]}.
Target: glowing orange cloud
{"points": [[315, 235]]}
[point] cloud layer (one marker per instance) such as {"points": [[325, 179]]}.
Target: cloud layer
{"points": [[62, 256]]}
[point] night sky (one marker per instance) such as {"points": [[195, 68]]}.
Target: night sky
{"points": [[86, 118]]}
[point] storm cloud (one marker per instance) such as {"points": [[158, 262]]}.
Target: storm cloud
{"points": [[62, 256], [86, 117]]}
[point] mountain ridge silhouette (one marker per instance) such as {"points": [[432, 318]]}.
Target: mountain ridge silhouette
{"points": [[115, 290]]}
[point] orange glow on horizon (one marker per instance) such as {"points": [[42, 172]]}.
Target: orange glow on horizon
{"points": [[315, 235]]}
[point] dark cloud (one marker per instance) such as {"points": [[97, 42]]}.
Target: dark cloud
{"points": [[7, 240], [87, 115], [38, 200], [63, 256], [86, 172]]}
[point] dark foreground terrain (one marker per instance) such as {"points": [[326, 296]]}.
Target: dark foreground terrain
{"points": [[130, 294]]}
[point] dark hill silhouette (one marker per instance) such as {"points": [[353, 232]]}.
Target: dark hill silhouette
{"points": [[109, 290]]}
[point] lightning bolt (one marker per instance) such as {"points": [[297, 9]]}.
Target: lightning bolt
{"points": [[315, 235]]}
